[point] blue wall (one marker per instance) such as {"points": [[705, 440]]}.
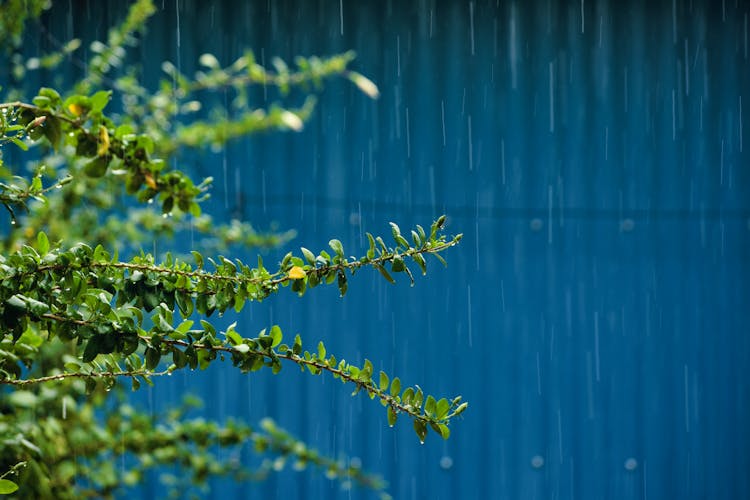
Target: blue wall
{"points": [[595, 316]]}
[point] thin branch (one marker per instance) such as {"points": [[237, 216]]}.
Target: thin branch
{"points": [[61, 376]]}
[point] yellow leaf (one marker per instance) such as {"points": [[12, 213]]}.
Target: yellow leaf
{"points": [[149, 179], [75, 109], [103, 141], [296, 273]]}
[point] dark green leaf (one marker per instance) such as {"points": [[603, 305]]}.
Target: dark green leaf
{"points": [[391, 416], [96, 167], [93, 348], [179, 358], [421, 429], [153, 356], [385, 273]]}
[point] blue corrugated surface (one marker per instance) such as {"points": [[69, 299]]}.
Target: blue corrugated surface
{"points": [[595, 316]]}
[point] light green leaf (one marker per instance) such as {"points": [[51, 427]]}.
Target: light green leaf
{"points": [[383, 381], [336, 247], [275, 335], [42, 243], [396, 387], [7, 486]]}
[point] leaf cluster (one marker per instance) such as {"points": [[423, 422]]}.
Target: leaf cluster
{"points": [[76, 318]]}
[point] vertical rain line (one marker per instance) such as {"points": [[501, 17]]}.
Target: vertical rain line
{"points": [[177, 11], [471, 152], [442, 119], [471, 25], [502, 160], [740, 123], [606, 143], [551, 97], [674, 21], [538, 375], [674, 122], [589, 387], [687, 67], [513, 48], [341, 16], [583, 18], [625, 90], [745, 35], [687, 400], [408, 137], [559, 435], [596, 344], [468, 299], [549, 214]]}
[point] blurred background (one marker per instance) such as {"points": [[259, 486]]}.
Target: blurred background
{"points": [[595, 315]]}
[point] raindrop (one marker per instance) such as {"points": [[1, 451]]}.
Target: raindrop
{"points": [[537, 461], [631, 463], [446, 462], [627, 225], [355, 462], [64, 408], [536, 224]]}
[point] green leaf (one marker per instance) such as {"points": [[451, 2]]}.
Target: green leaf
{"points": [[321, 351], [371, 250], [391, 416], [153, 356], [18, 142], [383, 381], [397, 265], [96, 167], [100, 100], [297, 347], [441, 429], [461, 408], [429, 406], [442, 408], [198, 259], [23, 399], [93, 348], [7, 486], [385, 273], [416, 257], [421, 429], [275, 335], [342, 284], [53, 131], [336, 247], [179, 358], [42, 243], [309, 256], [395, 387]]}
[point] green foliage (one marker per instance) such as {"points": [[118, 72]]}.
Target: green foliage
{"points": [[76, 317]]}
